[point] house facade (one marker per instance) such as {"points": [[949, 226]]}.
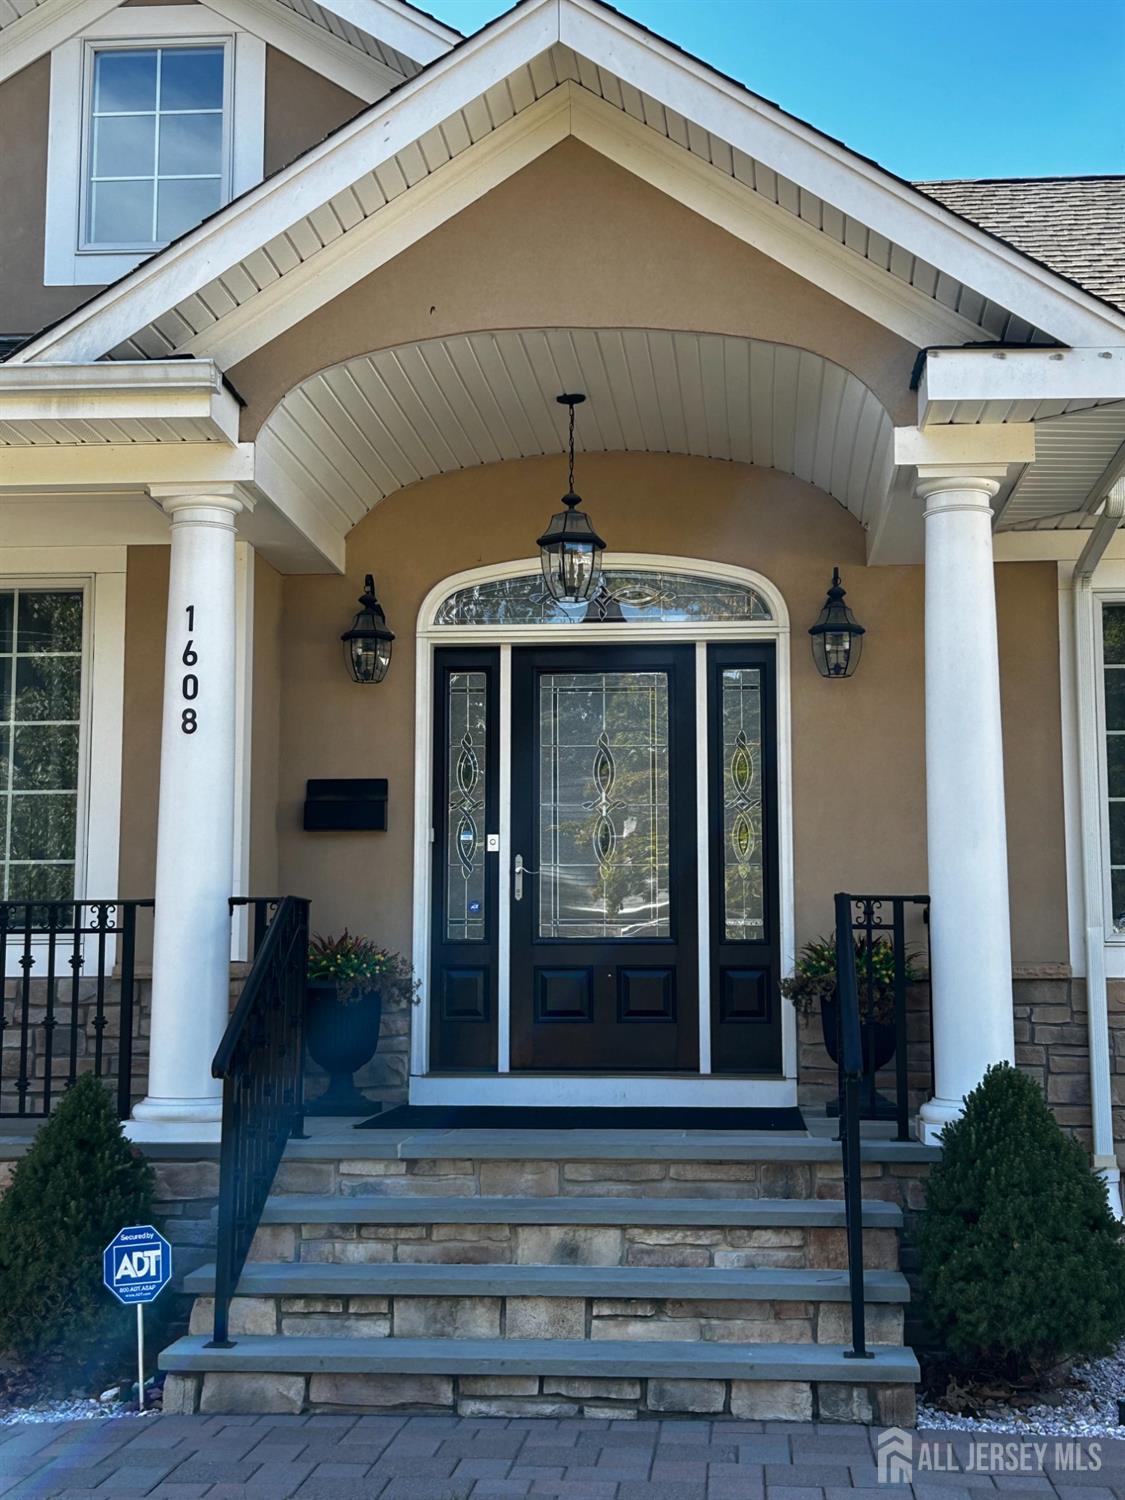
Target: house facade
{"points": [[289, 296]]}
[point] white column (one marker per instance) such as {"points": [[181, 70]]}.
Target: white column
{"points": [[195, 832], [965, 823]]}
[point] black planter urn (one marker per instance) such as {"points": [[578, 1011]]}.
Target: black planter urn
{"points": [[877, 1042], [341, 1038]]}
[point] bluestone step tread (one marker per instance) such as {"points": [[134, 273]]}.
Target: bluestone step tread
{"points": [[766, 1284], [601, 1145], [602, 1358], [409, 1208]]}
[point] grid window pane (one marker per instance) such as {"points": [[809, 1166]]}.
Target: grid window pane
{"points": [[191, 78], [125, 80], [124, 145], [191, 144], [184, 202], [40, 708], [121, 213], [1113, 687], [156, 158]]}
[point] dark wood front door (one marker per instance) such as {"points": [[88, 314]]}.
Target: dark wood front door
{"points": [[604, 940]]}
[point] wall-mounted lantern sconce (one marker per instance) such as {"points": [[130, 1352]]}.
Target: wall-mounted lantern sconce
{"points": [[367, 645], [837, 636]]}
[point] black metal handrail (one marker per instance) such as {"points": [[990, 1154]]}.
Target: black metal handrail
{"points": [[260, 1061], [61, 949], [866, 916]]}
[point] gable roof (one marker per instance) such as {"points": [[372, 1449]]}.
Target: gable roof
{"points": [[801, 197], [1074, 225]]}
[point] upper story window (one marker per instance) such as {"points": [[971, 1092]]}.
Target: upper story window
{"points": [[158, 143], [157, 120]]}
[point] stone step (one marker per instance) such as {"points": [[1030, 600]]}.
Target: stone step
{"points": [[821, 1213], [807, 1168], [541, 1377], [517, 1302], [729, 1234]]}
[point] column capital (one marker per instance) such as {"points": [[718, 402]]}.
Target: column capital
{"points": [[173, 498], [959, 486]]}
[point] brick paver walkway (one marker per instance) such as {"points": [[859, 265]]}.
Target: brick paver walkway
{"points": [[446, 1458]]}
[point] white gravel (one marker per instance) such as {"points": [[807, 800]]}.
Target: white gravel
{"points": [[1085, 1407], [74, 1409]]}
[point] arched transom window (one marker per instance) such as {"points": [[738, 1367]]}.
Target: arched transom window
{"points": [[624, 594]]}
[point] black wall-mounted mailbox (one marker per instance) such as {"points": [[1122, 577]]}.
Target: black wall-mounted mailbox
{"points": [[348, 803]]}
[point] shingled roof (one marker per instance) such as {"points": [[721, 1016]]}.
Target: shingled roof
{"points": [[1073, 225]]}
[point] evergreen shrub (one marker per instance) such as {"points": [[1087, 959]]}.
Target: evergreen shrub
{"points": [[79, 1183], [1022, 1263]]}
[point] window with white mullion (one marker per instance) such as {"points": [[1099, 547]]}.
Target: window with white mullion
{"points": [[157, 158], [41, 662], [1113, 719]]}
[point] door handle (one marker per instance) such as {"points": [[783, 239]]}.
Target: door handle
{"points": [[519, 870]]}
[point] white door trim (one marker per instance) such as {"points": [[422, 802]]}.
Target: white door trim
{"points": [[502, 1087]]}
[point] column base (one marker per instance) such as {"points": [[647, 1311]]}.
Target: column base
{"points": [[934, 1116], [157, 1119]]}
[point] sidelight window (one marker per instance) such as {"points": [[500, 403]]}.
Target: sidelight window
{"points": [[41, 634]]}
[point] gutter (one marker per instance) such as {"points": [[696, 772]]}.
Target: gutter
{"points": [[1086, 664]]}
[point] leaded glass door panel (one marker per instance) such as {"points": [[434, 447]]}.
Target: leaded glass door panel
{"points": [[604, 962], [465, 917]]}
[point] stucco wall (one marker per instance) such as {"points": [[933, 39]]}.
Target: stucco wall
{"points": [[858, 746], [301, 108], [574, 241]]}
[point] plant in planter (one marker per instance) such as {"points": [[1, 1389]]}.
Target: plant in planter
{"points": [[812, 986], [350, 982]]}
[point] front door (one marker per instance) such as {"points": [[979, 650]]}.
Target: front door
{"points": [[604, 905], [573, 850]]}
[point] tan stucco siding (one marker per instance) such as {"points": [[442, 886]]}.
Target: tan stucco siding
{"points": [[146, 607], [858, 746], [302, 107], [575, 241], [26, 305], [265, 724]]}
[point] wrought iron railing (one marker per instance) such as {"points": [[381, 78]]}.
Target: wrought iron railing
{"points": [[69, 1001], [861, 923], [260, 1061]]}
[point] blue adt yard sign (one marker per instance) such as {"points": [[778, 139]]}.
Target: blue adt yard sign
{"points": [[137, 1264]]}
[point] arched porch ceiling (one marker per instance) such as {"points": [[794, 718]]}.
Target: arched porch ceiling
{"points": [[359, 431]]}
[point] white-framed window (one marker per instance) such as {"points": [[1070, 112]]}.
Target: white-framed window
{"points": [[157, 119], [1112, 735], [44, 730]]}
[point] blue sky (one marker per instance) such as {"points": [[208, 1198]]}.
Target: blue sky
{"points": [[960, 88]]}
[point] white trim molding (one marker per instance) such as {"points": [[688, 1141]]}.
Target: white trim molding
{"points": [[504, 1087], [67, 262]]}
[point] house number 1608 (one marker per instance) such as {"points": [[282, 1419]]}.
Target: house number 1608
{"points": [[189, 687]]}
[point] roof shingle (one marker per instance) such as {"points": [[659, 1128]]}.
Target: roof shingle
{"points": [[1073, 225]]}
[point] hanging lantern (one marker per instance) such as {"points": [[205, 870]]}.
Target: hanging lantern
{"points": [[837, 636], [570, 550], [367, 645]]}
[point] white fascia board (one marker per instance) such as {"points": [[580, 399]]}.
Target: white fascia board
{"points": [[407, 30], [268, 210], [156, 390], [47, 27], [387, 233], [858, 188], [96, 466], [348, 67], [979, 375], [766, 226]]}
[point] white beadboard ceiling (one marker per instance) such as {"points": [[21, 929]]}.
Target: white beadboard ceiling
{"points": [[344, 31], [1072, 454], [12, 10], [353, 434], [184, 328]]}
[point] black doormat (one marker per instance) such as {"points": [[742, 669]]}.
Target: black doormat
{"points": [[505, 1117]]}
